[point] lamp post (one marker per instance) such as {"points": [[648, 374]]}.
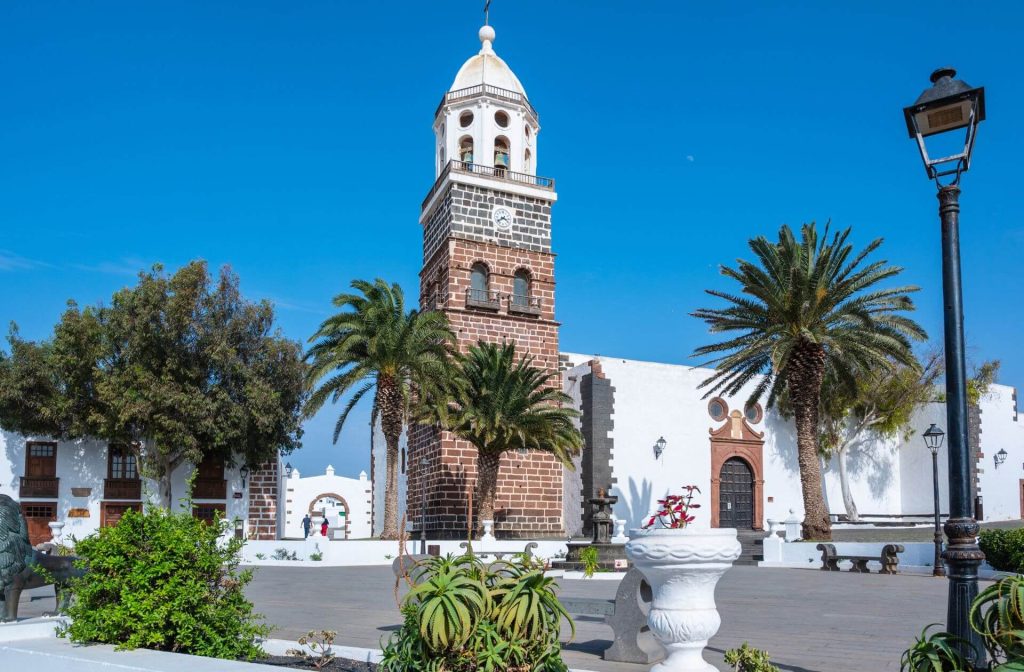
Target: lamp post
{"points": [[951, 106], [424, 463], [933, 439]]}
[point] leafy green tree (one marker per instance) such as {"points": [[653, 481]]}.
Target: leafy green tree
{"points": [[880, 406], [810, 307], [179, 367], [374, 344], [499, 402]]}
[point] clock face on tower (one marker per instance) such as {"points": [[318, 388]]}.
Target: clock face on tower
{"points": [[502, 217]]}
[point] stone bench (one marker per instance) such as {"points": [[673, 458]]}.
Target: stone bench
{"points": [[889, 559], [627, 617], [468, 549]]}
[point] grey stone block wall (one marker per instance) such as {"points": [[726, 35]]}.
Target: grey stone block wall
{"points": [[464, 211], [597, 398]]}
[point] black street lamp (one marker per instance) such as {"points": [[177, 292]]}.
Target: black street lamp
{"points": [[948, 106], [933, 439], [424, 463]]}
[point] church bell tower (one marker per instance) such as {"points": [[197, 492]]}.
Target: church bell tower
{"points": [[488, 265]]}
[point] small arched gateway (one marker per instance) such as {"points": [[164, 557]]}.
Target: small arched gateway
{"points": [[737, 470], [335, 508]]}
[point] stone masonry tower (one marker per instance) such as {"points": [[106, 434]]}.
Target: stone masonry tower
{"points": [[487, 263]]}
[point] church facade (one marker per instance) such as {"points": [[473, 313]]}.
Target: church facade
{"points": [[488, 264]]}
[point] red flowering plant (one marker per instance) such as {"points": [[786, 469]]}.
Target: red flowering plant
{"points": [[674, 511]]}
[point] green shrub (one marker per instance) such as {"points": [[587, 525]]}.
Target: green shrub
{"points": [[283, 553], [588, 556], [464, 616], [165, 581], [1004, 549], [749, 659]]}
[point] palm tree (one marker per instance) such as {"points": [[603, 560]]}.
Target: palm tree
{"points": [[498, 403], [809, 308], [374, 344]]}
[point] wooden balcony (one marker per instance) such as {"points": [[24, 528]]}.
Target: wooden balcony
{"points": [[210, 488], [45, 486], [122, 488]]}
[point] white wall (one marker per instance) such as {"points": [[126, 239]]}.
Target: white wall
{"points": [[300, 492], [380, 474], [572, 484], [889, 477], [83, 464], [1000, 430]]}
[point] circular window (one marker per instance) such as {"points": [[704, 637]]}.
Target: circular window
{"points": [[753, 413], [718, 409], [465, 119], [501, 119]]}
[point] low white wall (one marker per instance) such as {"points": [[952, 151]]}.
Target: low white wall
{"points": [[355, 553]]}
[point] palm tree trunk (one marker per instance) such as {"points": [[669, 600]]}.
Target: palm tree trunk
{"points": [[389, 404], [487, 483], [844, 483], [805, 373]]}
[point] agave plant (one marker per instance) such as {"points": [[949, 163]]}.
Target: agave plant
{"points": [[526, 606], [938, 652], [449, 604], [997, 614]]}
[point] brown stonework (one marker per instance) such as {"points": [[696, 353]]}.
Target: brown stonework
{"points": [[736, 438], [457, 235], [263, 485]]}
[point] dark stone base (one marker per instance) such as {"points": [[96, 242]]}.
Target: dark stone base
{"points": [[607, 554]]}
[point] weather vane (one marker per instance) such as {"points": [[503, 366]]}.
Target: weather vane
{"points": [[487, 12]]}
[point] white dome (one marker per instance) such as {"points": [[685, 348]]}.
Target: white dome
{"points": [[487, 68]]}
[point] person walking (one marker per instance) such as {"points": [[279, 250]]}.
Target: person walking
{"points": [[323, 527], [307, 523]]}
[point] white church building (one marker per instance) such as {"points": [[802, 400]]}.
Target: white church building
{"points": [[648, 430]]}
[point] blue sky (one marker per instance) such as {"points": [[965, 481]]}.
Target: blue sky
{"points": [[292, 141]]}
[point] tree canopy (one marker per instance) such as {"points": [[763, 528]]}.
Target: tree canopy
{"points": [[179, 367]]}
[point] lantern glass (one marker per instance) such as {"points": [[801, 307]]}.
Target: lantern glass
{"points": [[933, 437], [948, 105]]}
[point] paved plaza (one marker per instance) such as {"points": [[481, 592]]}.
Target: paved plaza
{"points": [[810, 621]]}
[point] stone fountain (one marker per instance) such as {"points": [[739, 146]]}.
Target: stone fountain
{"points": [[609, 549]]}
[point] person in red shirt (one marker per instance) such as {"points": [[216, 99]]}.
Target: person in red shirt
{"points": [[323, 528]]}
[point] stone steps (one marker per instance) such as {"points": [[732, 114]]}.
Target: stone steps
{"points": [[752, 542]]}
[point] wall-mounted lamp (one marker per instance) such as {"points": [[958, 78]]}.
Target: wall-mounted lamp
{"points": [[659, 447], [1000, 457], [244, 473], [288, 470]]}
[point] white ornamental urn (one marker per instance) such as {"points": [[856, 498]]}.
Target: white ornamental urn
{"points": [[682, 567], [488, 534], [57, 531]]}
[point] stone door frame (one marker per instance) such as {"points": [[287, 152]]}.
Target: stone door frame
{"points": [[736, 438]]}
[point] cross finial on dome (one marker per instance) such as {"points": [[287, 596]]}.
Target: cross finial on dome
{"points": [[487, 39]]}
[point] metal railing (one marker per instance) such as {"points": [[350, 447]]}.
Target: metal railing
{"points": [[38, 486], [465, 167], [483, 298], [122, 488], [529, 305], [485, 90]]}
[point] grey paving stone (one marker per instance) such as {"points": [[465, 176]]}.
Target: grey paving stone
{"points": [[810, 621]]}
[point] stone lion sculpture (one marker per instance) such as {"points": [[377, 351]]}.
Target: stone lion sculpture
{"points": [[23, 568]]}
